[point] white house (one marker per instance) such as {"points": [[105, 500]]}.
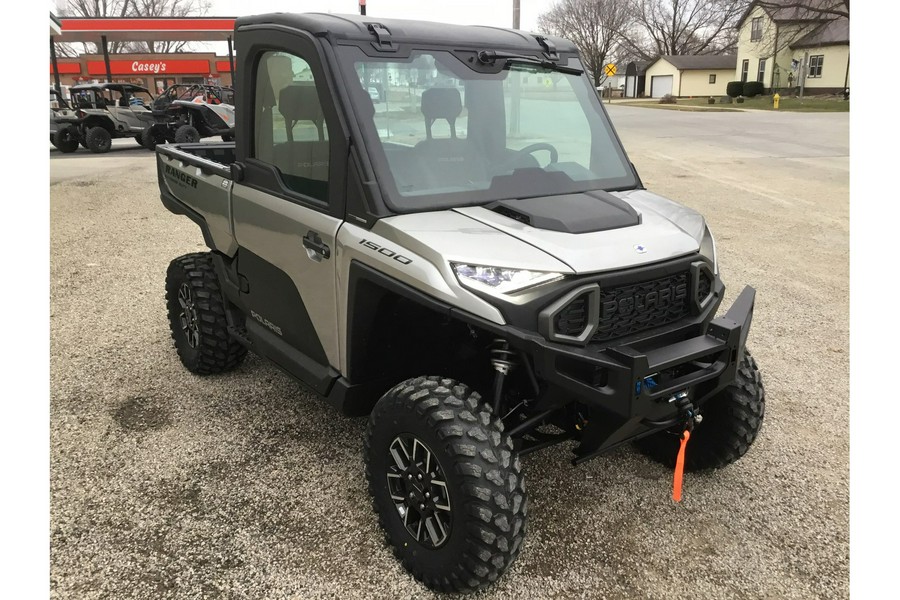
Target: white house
{"points": [[779, 45], [689, 75]]}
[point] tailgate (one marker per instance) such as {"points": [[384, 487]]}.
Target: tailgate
{"points": [[199, 188]]}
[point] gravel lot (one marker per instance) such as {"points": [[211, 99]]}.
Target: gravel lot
{"points": [[166, 485]]}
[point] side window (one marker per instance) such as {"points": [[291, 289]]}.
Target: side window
{"points": [[289, 126]]}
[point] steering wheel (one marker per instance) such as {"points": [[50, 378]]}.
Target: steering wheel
{"points": [[531, 149]]}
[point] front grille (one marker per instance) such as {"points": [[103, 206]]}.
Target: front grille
{"points": [[572, 319], [633, 308]]}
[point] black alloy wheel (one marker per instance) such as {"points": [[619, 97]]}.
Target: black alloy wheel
{"points": [[418, 488], [190, 322]]}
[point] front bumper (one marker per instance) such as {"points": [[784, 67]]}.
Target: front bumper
{"points": [[627, 388]]}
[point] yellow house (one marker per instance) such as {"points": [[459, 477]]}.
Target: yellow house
{"points": [[782, 45], [689, 75]]}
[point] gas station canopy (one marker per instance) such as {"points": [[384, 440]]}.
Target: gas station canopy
{"points": [[112, 29], [200, 29]]}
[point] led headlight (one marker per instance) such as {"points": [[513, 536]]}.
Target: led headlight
{"points": [[500, 280], [708, 249]]}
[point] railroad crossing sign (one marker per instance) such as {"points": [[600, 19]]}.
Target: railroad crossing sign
{"points": [[610, 70]]}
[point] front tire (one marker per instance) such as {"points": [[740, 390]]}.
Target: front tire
{"points": [[187, 134], [446, 483], [731, 421], [98, 140], [197, 319], [150, 137]]}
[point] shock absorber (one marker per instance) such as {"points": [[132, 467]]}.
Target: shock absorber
{"points": [[503, 360]]}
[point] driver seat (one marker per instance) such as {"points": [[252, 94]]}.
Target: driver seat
{"points": [[446, 162]]}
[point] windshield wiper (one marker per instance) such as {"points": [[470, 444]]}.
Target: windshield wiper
{"points": [[489, 56]]}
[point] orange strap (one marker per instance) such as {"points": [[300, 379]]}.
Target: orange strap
{"points": [[679, 467]]}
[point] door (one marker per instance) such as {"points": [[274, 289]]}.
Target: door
{"points": [[629, 86], [287, 211], [660, 85]]}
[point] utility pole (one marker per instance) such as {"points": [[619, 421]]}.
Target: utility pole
{"points": [[362, 7], [516, 12], [804, 67]]}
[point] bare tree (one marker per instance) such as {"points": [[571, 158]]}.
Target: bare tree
{"points": [[131, 8], [686, 26], [810, 9], [594, 26], [165, 8], [93, 8]]}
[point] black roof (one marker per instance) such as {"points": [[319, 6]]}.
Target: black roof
{"points": [[355, 27], [117, 87], [832, 33]]}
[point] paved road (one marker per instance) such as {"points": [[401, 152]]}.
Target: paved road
{"points": [[166, 485]]}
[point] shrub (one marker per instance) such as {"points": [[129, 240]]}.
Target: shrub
{"points": [[753, 88], [668, 99], [734, 88], [711, 100], [739, 99]]}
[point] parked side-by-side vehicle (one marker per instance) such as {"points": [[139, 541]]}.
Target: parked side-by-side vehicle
{"points": [[101, 112], [472, 261]]}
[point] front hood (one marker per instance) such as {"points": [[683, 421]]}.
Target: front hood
{"points": [[666, 230]]}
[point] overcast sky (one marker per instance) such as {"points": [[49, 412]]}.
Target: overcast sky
{"points": [[464, 12], [497, 13]]}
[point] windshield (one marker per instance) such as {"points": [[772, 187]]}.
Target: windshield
{"points": [[443, 135]]}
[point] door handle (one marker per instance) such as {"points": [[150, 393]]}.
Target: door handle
{"points": [[313, 243]]}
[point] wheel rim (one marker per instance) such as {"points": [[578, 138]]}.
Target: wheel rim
{"points": [[418, 488], [190, 323]]}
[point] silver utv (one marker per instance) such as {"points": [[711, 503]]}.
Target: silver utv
{"points": [[104, 111], [472, 262]]}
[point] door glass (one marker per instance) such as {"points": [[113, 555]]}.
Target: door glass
{"points": [[290, 132]]}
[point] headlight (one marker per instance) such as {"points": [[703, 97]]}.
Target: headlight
{"points": [[500, 280], [708, 249]]}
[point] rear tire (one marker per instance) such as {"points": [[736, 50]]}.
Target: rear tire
{"points": [[469, 530], [186, 134], [197, 319], [98, 140], [66, 139], [731, 421], [227, 137]]}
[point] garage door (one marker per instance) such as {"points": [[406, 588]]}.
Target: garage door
{"points": [[660, 85]]}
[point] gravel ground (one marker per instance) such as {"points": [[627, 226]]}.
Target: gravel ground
{"points": [[166, 485]]}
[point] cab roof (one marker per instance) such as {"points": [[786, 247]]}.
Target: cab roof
{"points": [[402, 31], [117, 87]]}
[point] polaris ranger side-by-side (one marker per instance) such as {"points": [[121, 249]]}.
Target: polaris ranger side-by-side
{"points": [[472, 261]]}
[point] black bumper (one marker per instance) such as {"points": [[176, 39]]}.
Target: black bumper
{"points": [[628, 387]]}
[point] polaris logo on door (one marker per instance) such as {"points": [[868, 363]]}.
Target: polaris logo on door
{"points": [[643, 302], [264, 321]]}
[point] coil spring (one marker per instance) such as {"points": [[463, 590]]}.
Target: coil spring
{"points": [[502, 358]]}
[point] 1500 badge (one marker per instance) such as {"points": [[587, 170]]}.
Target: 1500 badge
{"points": [[386, 252]]}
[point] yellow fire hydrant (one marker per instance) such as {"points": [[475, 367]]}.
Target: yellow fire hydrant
{"points": [[776, 99]]}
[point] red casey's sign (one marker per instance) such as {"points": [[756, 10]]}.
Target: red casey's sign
{"points": [[148, 67]]}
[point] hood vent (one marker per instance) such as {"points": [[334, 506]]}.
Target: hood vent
{"points": [[570, 213], [512, 214]]}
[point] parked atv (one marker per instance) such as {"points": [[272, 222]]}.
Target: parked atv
{"points": [[103, 111], [190, 112], [63, 137]]}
